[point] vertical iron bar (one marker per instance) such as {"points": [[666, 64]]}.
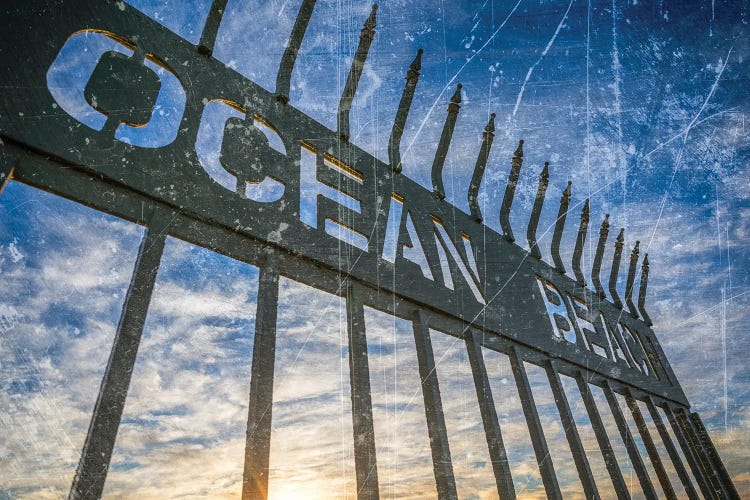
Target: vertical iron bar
{"points": [[536, 211], [596, 267], [445, 140], [286, 66], [671, 450], [610, 459], [700, 453], [498, 456], [105, 421], [562, 213], [541, 450], [433, 406], [399, 123], [571, 432], [580, 242], [510, 192], [615, 271], [690, 454], [627, 438], [476, 179], [355, 72], [365, 462], [258, 435], [631, 280], [725, 481], [211, 28], [642, 292], [648, 442]]}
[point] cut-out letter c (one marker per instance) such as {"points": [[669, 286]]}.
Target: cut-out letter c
{"points": [[74, 66]]}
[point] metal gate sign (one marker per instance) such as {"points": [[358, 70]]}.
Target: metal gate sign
{"points": [[112, 112]]}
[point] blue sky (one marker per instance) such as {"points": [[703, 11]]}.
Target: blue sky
{"points": [[642, 104]]}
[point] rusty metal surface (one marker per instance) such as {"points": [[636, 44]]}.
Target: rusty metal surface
{"points": [[475, 280], [509, 304]]}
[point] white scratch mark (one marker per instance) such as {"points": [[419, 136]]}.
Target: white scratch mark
{"points": [[544, 53], [684, 140], [453, 79], [677, 136]]}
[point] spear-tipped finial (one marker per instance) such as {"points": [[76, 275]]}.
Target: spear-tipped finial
{"points": [[369, 28], [536, 211], [355, 72], [559, 226], [619, 243], [510, 192], [399, 123], [631, 280], [642, 292], [490, 127], [284, 76], [211, 27], [456, 98], [597, 265], [416, 64], [445, 140], [580, 241], [476, 179]]}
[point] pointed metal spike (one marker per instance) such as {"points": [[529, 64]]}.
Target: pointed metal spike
{"points": [[284, 76], [619, 243], [510, 192], [631, 280], [580, 241], [445, 140], [481, 164], [456, 98], [559, 226], [211, 27], [416, 64], [399, 123], [642, 292], [355, 72], [490, 127], [371, 19], [536, 211], [597, 265]]}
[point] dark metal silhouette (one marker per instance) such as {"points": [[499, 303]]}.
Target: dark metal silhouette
{"points": [[394, 143], [355, 72], [445, 140], [510, 191], [536, 212], [498, 298], [476, 179]]}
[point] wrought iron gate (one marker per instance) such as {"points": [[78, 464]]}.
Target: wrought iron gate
{"points": [[405, 250]]}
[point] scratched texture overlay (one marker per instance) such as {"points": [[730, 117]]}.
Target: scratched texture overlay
{"points": [[643, 105]]}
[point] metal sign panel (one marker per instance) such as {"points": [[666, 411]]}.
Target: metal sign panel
{"points": [[272, 151], [110, 112]]}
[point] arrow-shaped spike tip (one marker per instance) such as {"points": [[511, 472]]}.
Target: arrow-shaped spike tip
{"points": [[416, 64], [457, 95], [490, 127], [585, 212], [545, 172], [566, 193], [519, 151]]}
